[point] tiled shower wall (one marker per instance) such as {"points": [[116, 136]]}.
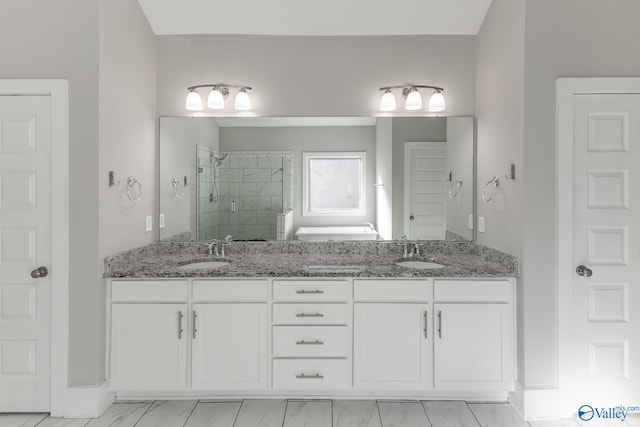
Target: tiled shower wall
{"points": [[258, 183]]}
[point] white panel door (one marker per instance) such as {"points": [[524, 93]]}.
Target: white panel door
{"points": [[472, 347], [149, 346], [25, 245], [392, 346], [229, 346], [426, 190], [606, 235]]}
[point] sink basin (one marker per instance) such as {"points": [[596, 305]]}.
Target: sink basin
{"points": [[203, 265], [419, 264]]}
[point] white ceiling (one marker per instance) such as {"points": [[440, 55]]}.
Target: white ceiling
{"points": [[317, 18]]}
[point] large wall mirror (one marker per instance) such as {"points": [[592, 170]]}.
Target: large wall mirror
{"points": [[245, 177]]}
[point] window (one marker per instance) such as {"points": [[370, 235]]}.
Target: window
{"points": [[333, 183]]}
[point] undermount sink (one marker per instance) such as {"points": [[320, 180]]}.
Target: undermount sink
{"points": [[203, 265], [419, 264]]}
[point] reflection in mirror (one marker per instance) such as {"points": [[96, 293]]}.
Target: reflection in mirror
{"points": [[237, 176]]}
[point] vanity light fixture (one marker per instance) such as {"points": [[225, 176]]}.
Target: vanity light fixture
{"points": [[215, 100], [413, 99]]}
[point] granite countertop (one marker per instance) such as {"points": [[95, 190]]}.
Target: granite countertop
{"points": [[161, 263]]}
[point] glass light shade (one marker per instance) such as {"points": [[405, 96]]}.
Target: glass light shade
{"points": [[436, 103], [194, 101], [414, 100], [243, 103], [215, 101], [388, 101]]}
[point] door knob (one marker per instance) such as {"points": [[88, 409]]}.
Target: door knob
{"points": [[412, 217], [40, 272], [584, 271]]}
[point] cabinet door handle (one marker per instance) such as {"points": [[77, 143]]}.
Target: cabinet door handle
{"points": [[309, 315], [426, 313], [310, 377], [180, 330], [439, 324], [193, 320], [317, 291], [316, 342]]}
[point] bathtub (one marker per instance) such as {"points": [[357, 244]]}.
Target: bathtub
{"points": [[358, 232]]}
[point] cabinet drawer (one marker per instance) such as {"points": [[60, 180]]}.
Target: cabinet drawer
{"points": [[310, 314], [310, 374], [310, 290], [472, 290], [149, 291], [310, 341], [230, 290], [392, 290]]}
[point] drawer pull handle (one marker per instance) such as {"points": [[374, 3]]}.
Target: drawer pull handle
{"points": [[310, 377], [195, 329], [317, 291], [303, 342], [439, 324], [309, 315], [180, 330], [425, 324]]}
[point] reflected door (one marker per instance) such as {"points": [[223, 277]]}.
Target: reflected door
{"points": [[425, 190]]}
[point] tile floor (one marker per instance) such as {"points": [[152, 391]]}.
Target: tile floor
{"points": [[303, 413]]}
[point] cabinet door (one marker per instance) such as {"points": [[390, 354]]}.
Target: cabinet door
{"points": [[229, 346], [148, 346], [473, 347], [392, 346]]}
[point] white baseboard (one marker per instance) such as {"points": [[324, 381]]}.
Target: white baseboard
{"points": [[536, 404], [88, 402]]}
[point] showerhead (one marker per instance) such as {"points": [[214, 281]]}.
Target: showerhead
{"points": [[217, 159]]}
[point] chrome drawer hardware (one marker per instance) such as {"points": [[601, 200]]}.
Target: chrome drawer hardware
{"points": [[193, 320], [310, 377], [425, 325], [180, 330], [316, 342], [439, 324], [317, 291], [309, 315]]}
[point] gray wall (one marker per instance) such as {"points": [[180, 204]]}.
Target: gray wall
{"points": [[522, 48], [459, 161], [127, 146], [44, 39], [415, 129], [109, 101], [178, 140], [568, 38], [500, 128], [301, 139], [316, 76]]}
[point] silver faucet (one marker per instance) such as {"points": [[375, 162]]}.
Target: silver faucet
{"points": [[216, 247], [415, 249], [404, 243]]}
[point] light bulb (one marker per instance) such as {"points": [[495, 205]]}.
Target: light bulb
{"points": [[243, 102], [215, 101], [414, 100], [194, 102], [388, 101], [436, 103]]}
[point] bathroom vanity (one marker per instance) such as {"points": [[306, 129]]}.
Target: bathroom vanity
{"points": [[354, 325]]}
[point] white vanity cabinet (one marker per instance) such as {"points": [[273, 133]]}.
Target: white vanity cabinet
{"points": [[149, 337], [393, 341], [229, 335], [177, 335], [473, 345], [311, 336]]}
